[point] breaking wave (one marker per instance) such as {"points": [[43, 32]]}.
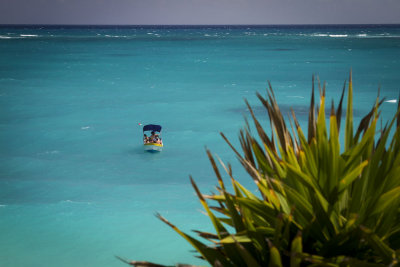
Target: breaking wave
{"points": [[338, 35], [29, 35]]}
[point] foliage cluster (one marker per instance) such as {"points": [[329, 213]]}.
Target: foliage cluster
{"points": [[318, 204]]}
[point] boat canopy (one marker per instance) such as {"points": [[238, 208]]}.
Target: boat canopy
{"points": [[152, 127]]}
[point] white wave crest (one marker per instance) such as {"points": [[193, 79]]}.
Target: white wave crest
{"points": [[75, 202], [85, 127], [28, 35], [391, 101], [6, 37], [338, 35]]}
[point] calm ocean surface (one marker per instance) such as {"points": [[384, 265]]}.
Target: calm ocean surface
{"points": [[76, 187]]}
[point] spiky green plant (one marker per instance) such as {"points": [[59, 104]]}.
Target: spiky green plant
{"points": [[318, 204]]}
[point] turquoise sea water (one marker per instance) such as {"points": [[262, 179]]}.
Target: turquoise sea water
{"points": [[76, 187]]}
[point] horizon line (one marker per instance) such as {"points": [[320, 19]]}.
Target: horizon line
{"points": [[199, 25]]}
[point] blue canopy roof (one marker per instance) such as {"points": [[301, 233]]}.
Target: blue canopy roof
{"points": [[152, 127]]}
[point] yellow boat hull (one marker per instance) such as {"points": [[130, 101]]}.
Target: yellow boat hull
{"points": [[153, 147]]}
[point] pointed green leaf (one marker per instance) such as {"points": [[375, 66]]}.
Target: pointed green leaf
{"points": [[210, 254], [351, 176], [246, 255], [296, 250], [348, 141], [275, 257], [379, 246], [386, 200]]}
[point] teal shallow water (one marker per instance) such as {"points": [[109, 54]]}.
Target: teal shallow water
{"points": [[76, 188]]}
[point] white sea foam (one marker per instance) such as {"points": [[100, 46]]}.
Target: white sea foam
{"points": [[314, 34], [296, 96], [362, 35], [338, 35], [391, 101], [28, 35], [6, 37], [2, 206], [115, 36], [75, 202], [85, 127]]}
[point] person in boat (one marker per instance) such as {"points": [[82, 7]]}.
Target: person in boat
{"points": [[158, 139], [153, 138], [145, 139]]}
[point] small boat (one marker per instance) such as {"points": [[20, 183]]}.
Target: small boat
{"points": [[154, 142]]}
